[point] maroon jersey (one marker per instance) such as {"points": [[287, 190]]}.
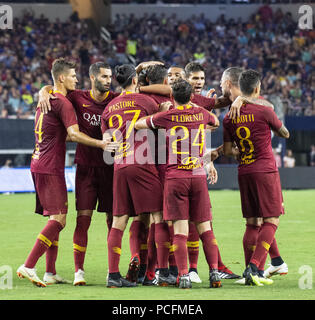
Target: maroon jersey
{"points": [[120, 117], [89, 113], [204, 102], [185, 138], [251, 132], [50, 136]]}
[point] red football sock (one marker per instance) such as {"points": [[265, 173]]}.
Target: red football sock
{"points": [[80, 240], [43, 242], [264, 240], [249, 241], [193, 246], [152, 258], [114, 249], [135, 237], [210, 249], [221, 265], [171, 258], [162, 240], [181, 253], [109, 222], [144, 245], [274, 250], [51, 256]]}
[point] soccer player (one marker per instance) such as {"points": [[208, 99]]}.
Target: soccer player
{"points": [[230, 88], [47, 167], [157, 74], [137, 187], [194, 73], [258, 176], [94, 178], [175, 73], [186, 195]]}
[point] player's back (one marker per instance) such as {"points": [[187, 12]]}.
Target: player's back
{"points": [[120, 117], [185, 131], [252, 134], [50, 136]]}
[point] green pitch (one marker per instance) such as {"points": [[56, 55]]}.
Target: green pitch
{"points": [[295, 236]]}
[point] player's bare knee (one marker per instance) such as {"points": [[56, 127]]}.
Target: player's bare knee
{"points": [[120, 222], [273, 220]]}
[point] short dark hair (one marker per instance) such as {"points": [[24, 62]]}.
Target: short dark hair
{"points": [[233, 74], [124, 74], [193, 67], [156, 74], [61, 66], [95, 67], [248, 81], [181, 91]]}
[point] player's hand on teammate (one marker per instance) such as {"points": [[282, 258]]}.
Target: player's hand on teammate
{"points": [[235, 110], [44, 102], [215, 154], [165, 106], [211, 94], [110, 146], [212, 173]]}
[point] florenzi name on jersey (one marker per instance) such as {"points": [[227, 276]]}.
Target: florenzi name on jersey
{"points": [[187, 117], [122, 105], [244, 118], [93, 119]]}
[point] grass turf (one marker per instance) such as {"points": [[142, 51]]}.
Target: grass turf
{"points": [[295, 237]]}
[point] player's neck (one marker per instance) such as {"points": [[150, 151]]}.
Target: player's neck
{"points": [[130, 89], [59, 88], [235, 93], [97, 95]]}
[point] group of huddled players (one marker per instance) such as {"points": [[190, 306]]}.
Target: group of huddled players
{"points": [[140, 154]]}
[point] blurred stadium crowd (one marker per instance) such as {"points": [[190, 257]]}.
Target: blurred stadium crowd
{"points": [[269, 42]]}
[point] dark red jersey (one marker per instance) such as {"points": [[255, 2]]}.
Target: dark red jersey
{"points": [[251, 132], [50, 136], [89, 112], [185, 137]]}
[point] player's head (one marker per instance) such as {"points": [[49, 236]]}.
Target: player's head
{"points": [[195, 75], [182, 91], [157, 74], [126, 75], [101, 76], [229, 80], [249, 83], [174, 74], [142, 78], [63, 72]]}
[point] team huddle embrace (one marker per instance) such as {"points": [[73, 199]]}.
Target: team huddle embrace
{"points": [[141, 154]]}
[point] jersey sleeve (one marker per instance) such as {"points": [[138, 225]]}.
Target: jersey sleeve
{"points": [[204, 102], [227, 137], [67, 113], [150, 105], [209, 118], [159, 120], [272, 119]]}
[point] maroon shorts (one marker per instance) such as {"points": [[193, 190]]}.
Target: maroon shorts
{"points": [[51, 194], [94, 185], [137, 189], [187, 199], [261, 195], [161, 168]]}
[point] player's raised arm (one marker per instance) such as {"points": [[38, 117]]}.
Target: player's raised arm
{"points": [[162, 89], [44, 95]]}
